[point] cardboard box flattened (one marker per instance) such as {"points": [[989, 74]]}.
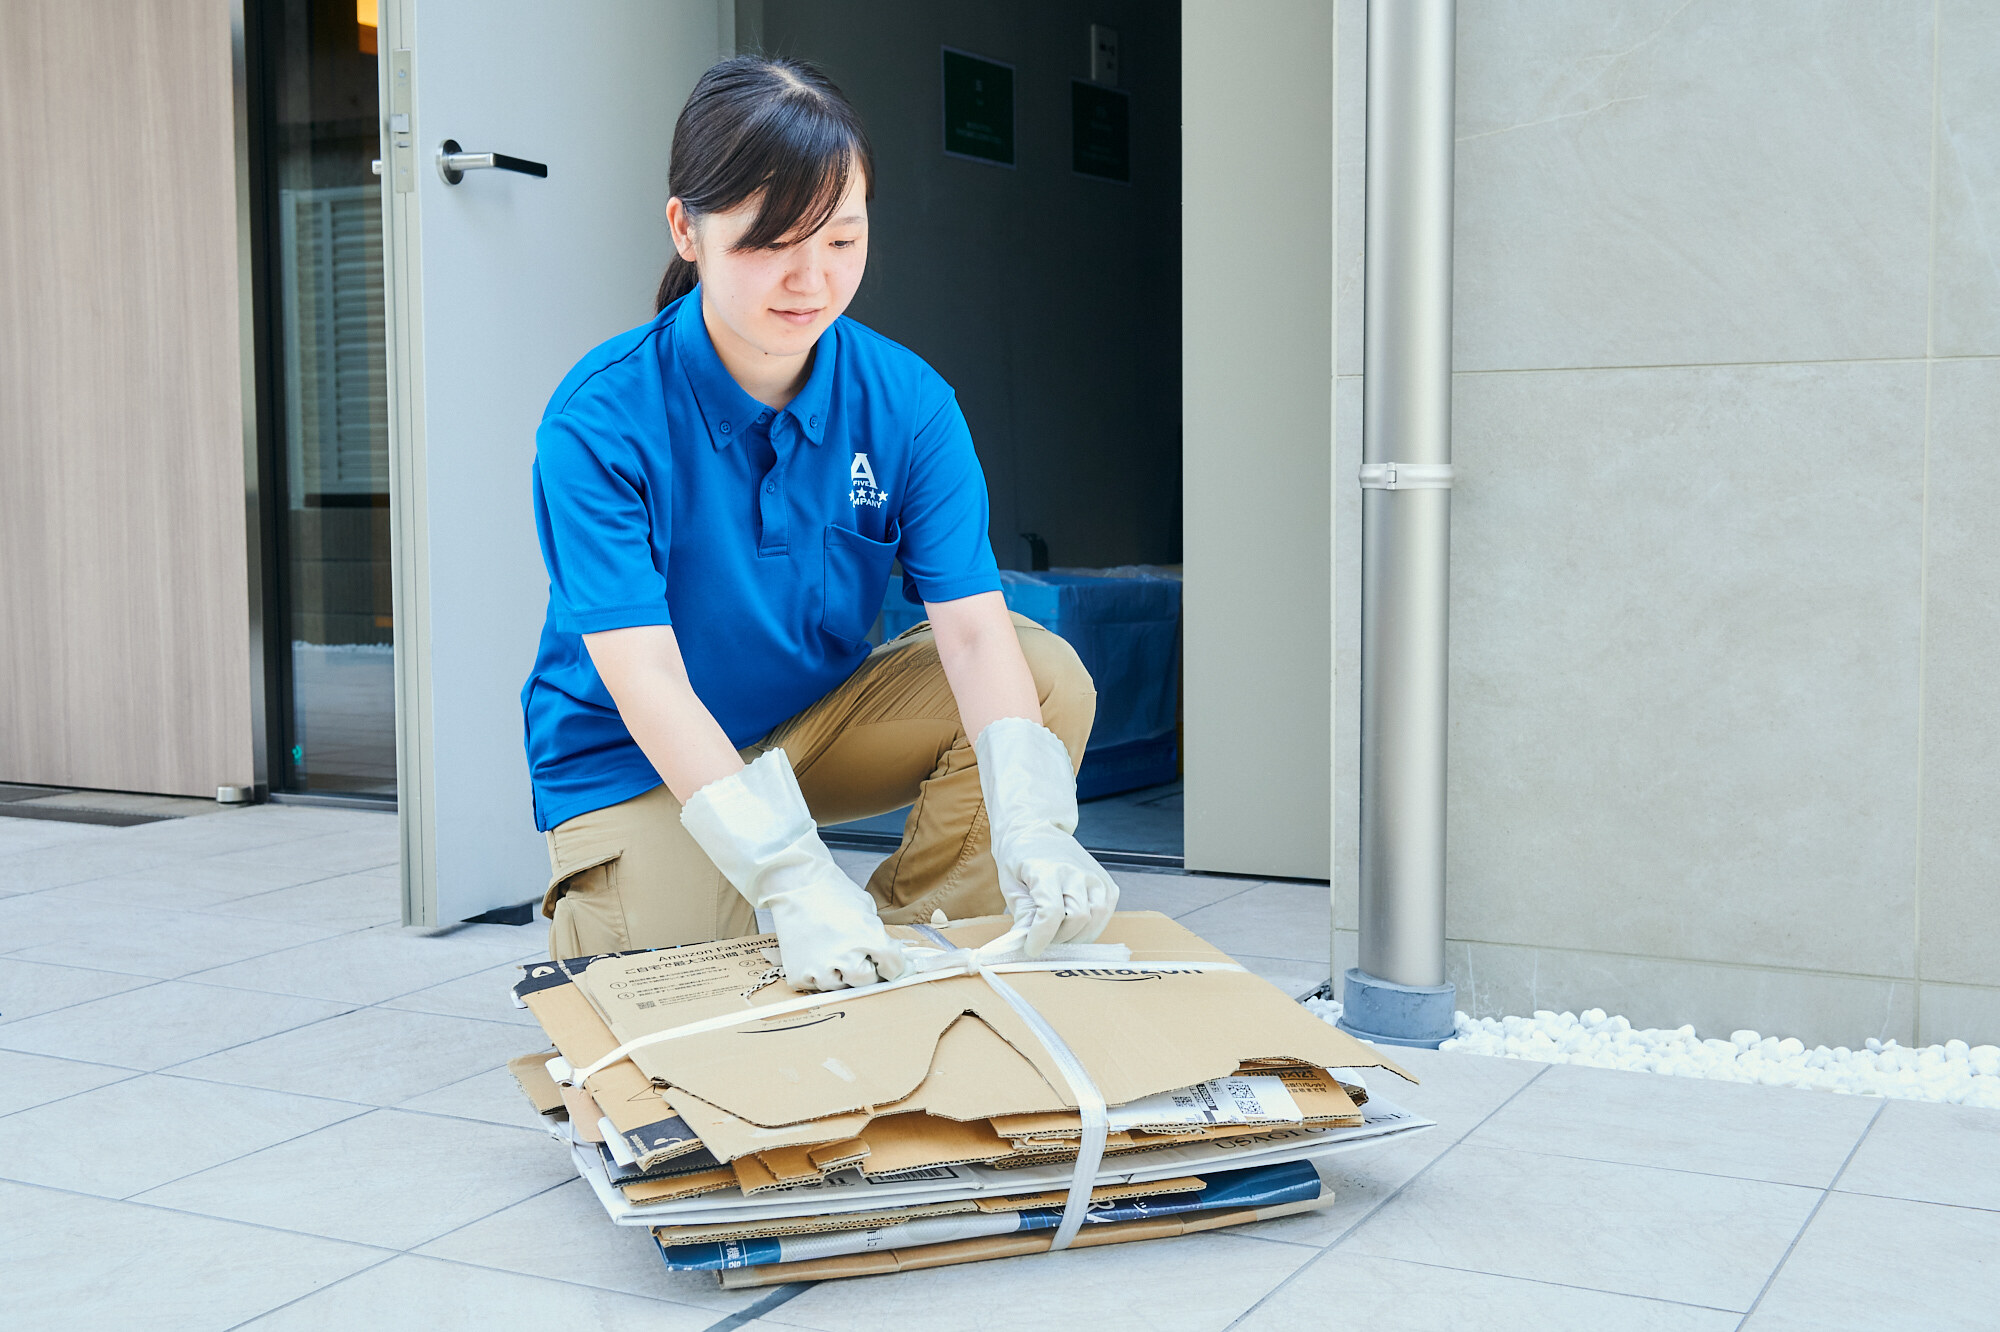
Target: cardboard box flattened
{"points": [[1139, 1028], [624, 1094]]}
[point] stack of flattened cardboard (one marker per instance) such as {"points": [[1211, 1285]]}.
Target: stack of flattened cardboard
{"points": [[775, 1137]]}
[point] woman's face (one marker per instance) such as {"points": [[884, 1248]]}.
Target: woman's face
{"points": [[778, 299]]}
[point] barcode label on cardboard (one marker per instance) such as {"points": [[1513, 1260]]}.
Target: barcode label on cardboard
{"points": [[1241, 1100]]}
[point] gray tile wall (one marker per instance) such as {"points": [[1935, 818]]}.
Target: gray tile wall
{"points": [[1726, 548]]}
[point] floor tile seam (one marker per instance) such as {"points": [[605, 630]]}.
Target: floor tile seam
{"points": [[189, 975], [360, 1111], [282, 1031], [542, 1276], [1640, 1165], [151, 981], [1559, 1285], [343, 1101], [417, 1249], [357, 1004], [207, 909], [1921, 1202], [320, 1290], [1242, 892], [88, 878], [1813, 1215], [1218, 901], [198, 863], [387, 1006], [212, 910], [204, 1216], [774, 1298], [1394, 1194], [131, 1074], [406, 1108], [275, 1091], [1319, 961]]}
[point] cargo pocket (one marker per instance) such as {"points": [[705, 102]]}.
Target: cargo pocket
{"points": [[560, 879], [857, 573]]}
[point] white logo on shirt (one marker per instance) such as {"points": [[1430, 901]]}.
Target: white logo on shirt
{"points": [[862, 474]]}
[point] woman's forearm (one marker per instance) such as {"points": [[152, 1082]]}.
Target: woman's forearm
{"points": [[981, 653], [643, 670]]}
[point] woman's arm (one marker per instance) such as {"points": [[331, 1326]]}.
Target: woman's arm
{"points": [[981, 652], [1055, 890], [642, 668]]}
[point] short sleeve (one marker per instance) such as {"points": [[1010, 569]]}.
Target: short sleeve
{"points": [[596, 531], [944, 549]]}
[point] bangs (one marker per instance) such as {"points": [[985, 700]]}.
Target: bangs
{"points": [[800, 160]]}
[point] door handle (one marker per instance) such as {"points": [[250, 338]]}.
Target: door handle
{"points": [[453, 164]]}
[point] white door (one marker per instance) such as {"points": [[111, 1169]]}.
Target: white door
{"points": [[497, 285]]}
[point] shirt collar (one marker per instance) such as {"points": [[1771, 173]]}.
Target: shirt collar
{"points": [[725, 407]]}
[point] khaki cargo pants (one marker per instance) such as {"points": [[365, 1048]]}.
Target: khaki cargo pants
{"points": [[630, 876]]}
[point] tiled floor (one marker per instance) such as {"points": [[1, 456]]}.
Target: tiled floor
{"points": [[234, 1093]]}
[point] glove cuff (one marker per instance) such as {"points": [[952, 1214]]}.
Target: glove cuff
{"points": [[1026, 777], [749, 820]]}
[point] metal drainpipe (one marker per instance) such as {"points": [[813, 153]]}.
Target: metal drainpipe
{"points": [[1398, 993]]}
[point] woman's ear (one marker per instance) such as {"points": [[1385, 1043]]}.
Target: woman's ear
{"points": [[680, 223]]}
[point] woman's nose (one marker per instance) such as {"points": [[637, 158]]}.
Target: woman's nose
{"points": [[804, 276]]}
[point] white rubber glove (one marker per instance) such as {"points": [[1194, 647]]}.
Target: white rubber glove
{"points": [[1054, 888], [756, 828]]}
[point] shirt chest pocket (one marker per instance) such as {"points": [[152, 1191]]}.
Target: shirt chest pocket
{"points": [[857, 573]]}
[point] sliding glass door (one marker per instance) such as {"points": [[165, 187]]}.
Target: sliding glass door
{"points": [[325, 380]]}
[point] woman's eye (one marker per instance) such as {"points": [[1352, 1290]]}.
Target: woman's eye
{"points": [[842, 244]]}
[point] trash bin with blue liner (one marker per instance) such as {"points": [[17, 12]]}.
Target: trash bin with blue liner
{"points": [[1125, 625]]}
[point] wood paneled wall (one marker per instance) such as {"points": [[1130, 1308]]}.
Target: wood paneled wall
{"points": [[124, 648]]}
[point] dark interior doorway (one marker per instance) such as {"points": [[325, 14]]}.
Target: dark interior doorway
{"points": [[1025, 240]]}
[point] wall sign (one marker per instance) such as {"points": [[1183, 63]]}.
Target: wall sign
{"points": [[978, 108], [1100, 131]]}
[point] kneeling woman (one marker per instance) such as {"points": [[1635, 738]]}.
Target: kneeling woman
{"points": [[720, 495]]}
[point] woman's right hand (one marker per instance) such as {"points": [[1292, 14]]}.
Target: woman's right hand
{"points": [[755, 826]]}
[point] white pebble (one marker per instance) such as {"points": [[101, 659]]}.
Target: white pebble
{"points": [[1954, 1071]]}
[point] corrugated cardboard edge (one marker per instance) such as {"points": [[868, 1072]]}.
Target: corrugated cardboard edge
{"points": [[813, 1225], [1006, 1246], [531, 1072], [681, 1186]]}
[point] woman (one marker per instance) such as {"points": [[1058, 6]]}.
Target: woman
{"points": [[720, 495]]}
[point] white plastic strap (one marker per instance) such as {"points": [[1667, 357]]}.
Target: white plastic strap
{"points": [[1406, 476], [1090, 1106]]}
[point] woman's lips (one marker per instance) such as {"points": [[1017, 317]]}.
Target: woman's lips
{"points": [[797, 316]]}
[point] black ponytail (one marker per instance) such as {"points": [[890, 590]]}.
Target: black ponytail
{"points": [[768, 128]]}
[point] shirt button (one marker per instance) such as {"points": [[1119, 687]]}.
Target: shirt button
{"points": [[725, 427], [763, 417], [771, 489], [813, 422]]}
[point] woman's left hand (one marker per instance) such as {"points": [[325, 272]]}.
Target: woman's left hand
{"points": [[1054, 888]]}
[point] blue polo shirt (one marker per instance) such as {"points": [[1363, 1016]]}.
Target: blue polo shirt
{"points": [[665, 494]]}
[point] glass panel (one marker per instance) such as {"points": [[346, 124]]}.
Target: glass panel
{"points": [[327, 317]]}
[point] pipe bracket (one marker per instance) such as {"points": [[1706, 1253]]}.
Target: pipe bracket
{"points": [[1406, 476]]}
